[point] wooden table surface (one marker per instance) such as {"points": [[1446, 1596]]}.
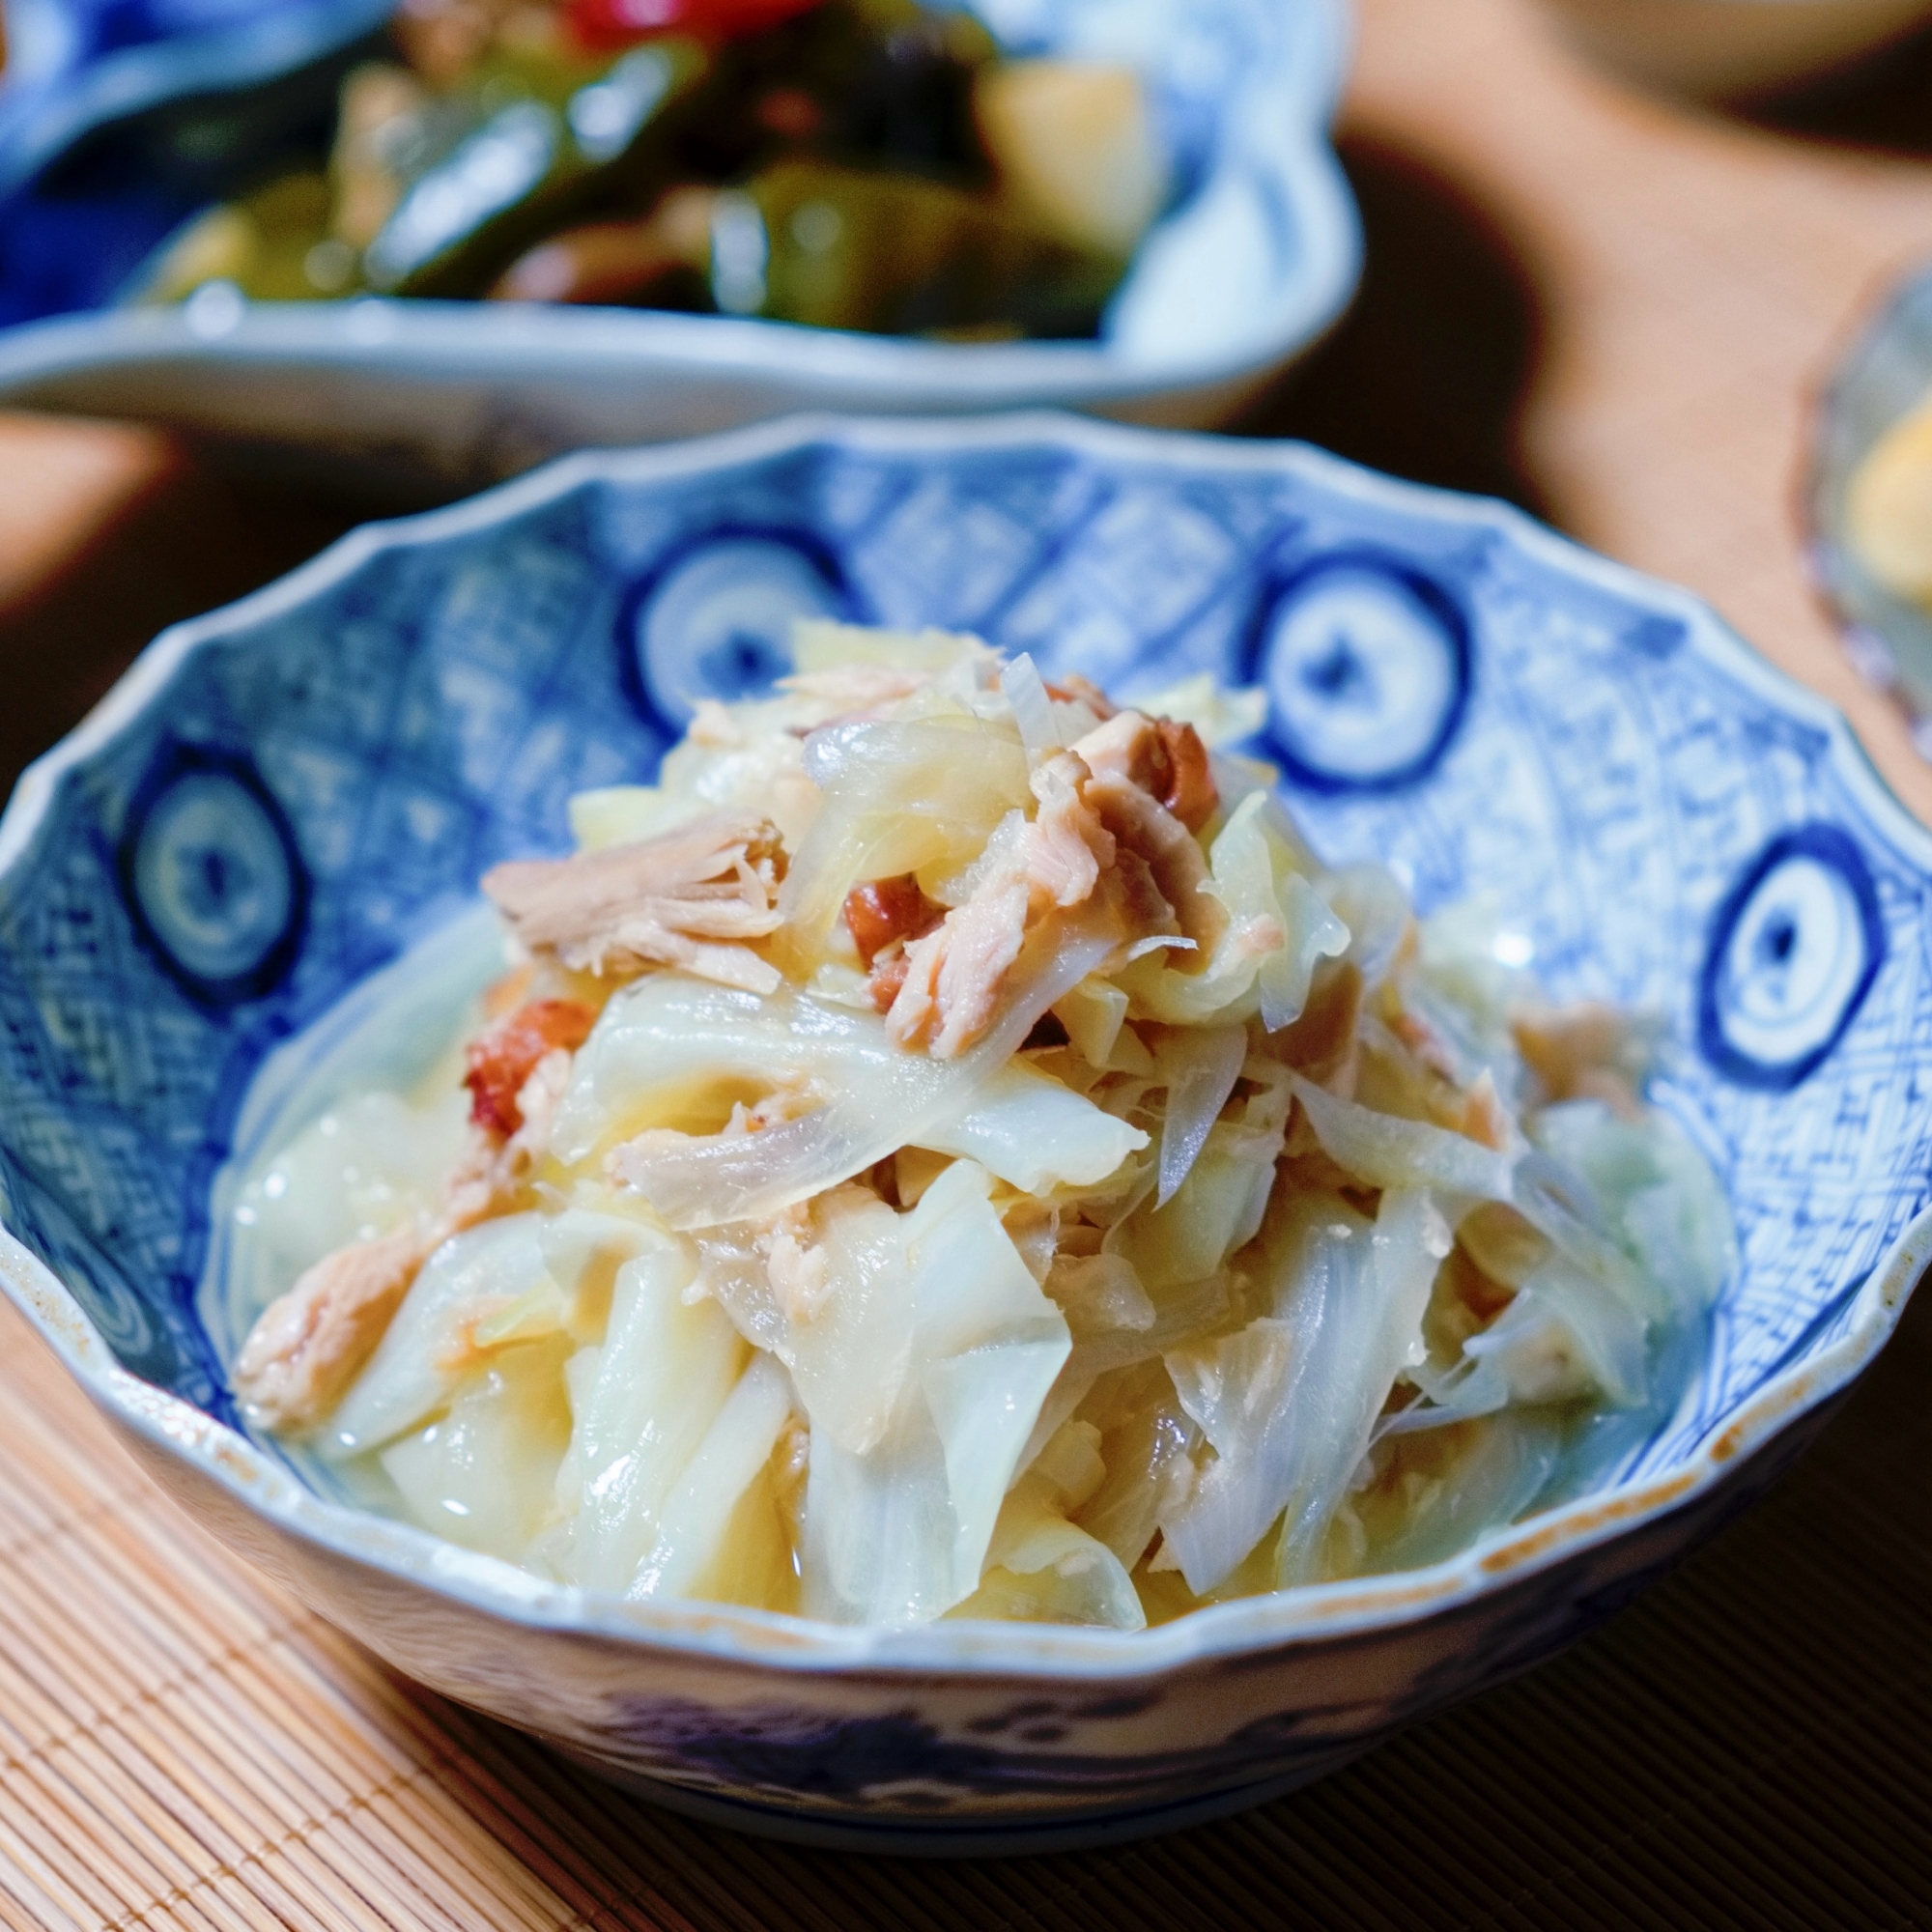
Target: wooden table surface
{"points": [[1609, 308]]}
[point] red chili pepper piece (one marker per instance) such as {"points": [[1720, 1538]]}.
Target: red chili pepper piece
{"points": [[506, 1054], [888, 909], [602, 25]]}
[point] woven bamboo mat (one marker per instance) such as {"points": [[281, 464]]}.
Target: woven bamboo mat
{"points": [[1606, 308]]}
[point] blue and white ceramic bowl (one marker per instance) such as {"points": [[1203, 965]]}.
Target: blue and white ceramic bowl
{"points": [[280, 797], [1255, 259]]}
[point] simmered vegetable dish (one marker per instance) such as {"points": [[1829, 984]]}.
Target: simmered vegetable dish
{"points": [[857, 164]]}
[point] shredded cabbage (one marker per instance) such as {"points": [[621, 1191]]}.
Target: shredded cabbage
{"points": [[1278, 927], [1288, 1402], [1108, 1210], [899, 1533]]}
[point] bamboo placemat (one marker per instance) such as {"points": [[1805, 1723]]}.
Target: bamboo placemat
{"points": [[1609, 309]]}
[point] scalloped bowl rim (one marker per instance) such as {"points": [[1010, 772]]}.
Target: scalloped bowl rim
{"points": [[1306, 1615]]}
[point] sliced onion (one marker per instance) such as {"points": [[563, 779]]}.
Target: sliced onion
{"points": [[1388, 1151], [896, 797], [1032, 709], [1200, 1066], [1289, 1402], [697, 1516], [1558, 1201]]}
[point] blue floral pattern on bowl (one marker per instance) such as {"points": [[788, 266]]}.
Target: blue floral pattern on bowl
{"points": [[282, 797]]}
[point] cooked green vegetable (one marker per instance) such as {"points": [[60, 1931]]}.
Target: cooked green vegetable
{"points": [[842, 163]]}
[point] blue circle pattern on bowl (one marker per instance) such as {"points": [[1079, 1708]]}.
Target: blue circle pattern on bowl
{"points": [[1669, 823], [1794, 950], [713, 618], [212, 876], [1366, 663]]}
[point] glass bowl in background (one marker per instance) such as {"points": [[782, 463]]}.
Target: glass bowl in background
{"points": [[1885, 375]]}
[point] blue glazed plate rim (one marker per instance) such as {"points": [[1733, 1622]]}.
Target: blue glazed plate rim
{"points": [[1326, 1612], [444, 342]]}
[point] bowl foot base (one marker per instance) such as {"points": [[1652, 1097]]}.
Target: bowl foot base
{"points": [[911, 1837]]}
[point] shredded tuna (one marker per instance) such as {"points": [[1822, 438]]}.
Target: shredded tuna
{"points": [[948, 991], [854, 693], [795, 1265], [1119, 749], [1429, 1049], [1141, 824], [887, 977], [1165, 759], [1067, 847], [692, 898], [310, 1344], [788, 1103], [1485, 1118], [1070, 688], [1582, 1052], [492, 1171], [538, 1102], [954, 975]]}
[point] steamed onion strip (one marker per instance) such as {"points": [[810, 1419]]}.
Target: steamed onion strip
{"points": [[899, 1533], [1200, 1066], [697, 1516], [1386, 1150], [896, 798]]}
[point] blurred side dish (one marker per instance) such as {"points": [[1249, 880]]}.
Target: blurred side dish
{"points": [[856, 164]]}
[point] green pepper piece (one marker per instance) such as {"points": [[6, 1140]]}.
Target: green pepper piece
{"points": [[273, 245], [839, 248], [538, 140]]}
